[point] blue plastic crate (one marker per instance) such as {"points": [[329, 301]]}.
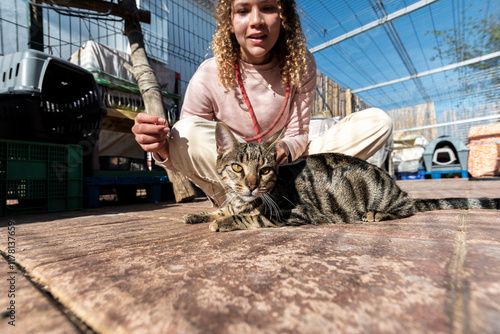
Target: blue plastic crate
{"points": [[420, 175], [153, 182]]}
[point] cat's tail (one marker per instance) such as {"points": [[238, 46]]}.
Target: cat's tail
{"points": [[422, 205]]}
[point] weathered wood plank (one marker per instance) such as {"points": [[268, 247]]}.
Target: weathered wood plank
{"points": [[139, 269], [32, 311]]}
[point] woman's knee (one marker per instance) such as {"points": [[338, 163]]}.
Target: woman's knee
{"points": [[191, 131], [184, 128], [380, 119]]}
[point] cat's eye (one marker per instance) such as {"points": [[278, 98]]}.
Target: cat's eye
{"points": [[237, 168], [265, 170]]}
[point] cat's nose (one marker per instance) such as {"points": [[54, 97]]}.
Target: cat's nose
{"points": [[251, 182]]}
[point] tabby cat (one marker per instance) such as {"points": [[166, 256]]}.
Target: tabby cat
{"points": [[328, 188]]}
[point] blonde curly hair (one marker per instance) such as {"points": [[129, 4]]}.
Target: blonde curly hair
{"points": [[290, 49]]}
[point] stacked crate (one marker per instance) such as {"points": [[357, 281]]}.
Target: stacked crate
{"points": [[484, 145], [50, 118], [39, 177]]}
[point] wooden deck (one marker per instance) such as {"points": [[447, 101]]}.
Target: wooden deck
{"points": [[139, 269]]}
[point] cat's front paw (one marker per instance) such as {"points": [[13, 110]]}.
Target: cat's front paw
{"points": [[222, 226], [375, 216], [214, 227], [194, 219], [369, 217]]}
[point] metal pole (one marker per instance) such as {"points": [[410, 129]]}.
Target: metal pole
{"points": [[486, 118], [374, 24], [436, 70]]}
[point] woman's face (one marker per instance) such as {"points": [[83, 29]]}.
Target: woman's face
{"points": [[256, 25]]}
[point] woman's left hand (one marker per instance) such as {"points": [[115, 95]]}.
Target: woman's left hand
{"points": [[282, 153]]}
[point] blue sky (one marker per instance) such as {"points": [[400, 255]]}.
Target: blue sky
{"points": [[361, 61], [372, 57]]}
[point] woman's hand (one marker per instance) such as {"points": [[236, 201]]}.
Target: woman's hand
{"points": [[282, 153], [151, 133]]}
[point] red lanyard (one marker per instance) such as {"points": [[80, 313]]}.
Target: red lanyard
{"points": [[258, 136]]}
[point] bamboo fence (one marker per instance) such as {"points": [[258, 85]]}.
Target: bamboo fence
{"points": [[333, 100], [412, 117]]}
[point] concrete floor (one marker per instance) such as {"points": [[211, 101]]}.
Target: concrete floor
{"points": [[139, 269]]}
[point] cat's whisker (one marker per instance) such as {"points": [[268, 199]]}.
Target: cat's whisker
{"points": [[288, 200], [277, 214], [275, 205], [265, 200], [230, 196], [267, 205], [217, 193], [271, 204], [226, 201]]}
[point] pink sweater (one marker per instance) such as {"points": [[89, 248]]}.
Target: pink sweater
{"points": [[207, 98]]}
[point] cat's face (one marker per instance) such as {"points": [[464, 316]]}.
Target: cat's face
{"points": [[249, 170]]}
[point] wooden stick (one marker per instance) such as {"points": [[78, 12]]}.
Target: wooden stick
{"points": [[151, 93], [348, 101], [141, 70]]}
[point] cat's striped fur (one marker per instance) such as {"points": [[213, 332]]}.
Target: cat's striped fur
{"points": [[319, 189]]}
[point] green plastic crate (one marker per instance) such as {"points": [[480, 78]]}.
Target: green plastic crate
{"points": [[40, 177]]}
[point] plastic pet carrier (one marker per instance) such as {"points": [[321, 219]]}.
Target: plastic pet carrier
{"points": [[47, 99], [446, 155]]}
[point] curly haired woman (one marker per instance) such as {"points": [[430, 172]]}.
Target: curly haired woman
{"points": [[261, 80]]}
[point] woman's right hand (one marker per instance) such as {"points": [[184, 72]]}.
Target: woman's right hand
{"points": [[151, 132]]}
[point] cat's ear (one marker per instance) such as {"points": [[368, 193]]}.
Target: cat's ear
{"points": [[271, 141], [224, 138]]}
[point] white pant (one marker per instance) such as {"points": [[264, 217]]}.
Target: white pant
{"points": [[192, 148]]}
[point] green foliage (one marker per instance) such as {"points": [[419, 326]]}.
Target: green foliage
{"points": [[469, 40]]}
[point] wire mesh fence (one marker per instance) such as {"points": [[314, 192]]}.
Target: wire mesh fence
{"points": [[384, 58], [180, 33], [461, 99], [178, 36]]}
